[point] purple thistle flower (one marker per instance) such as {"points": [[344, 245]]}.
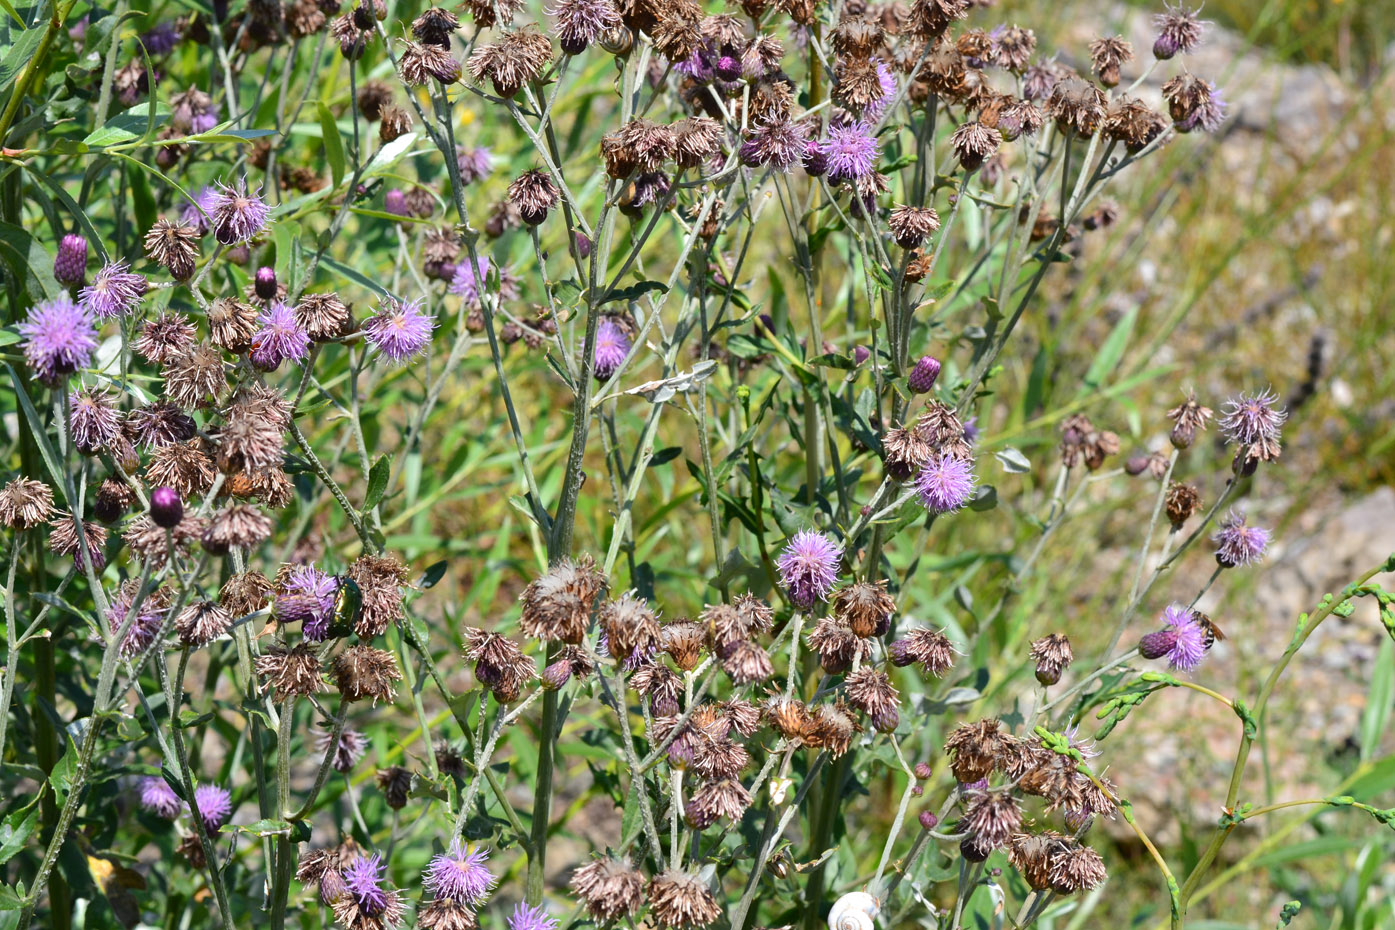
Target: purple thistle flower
{"points": [[162, 39], [809, 567], [467, 280], [308, 596], [814, 163], [1238, 544], [945, 483], [612, 346], [1183, 641], [399, 330], [237, 214], [1209, 115], [531, 918], [697, 66], [215, 806], [638, 657], [363, 879], [971, 430], [473, 164], [581, 22], [198, 213], [395, 202], [70, 264], [851, 151], [115, 290], [159, 798], [59, 338], [887, 79], [460, 874], [280, 338], [1252, 418]]}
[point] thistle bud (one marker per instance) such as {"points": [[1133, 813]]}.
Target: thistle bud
{"points": [[265, 282], [928, 820], [556, 675], [923, 375], [886, 720], [70, 264], [922, 770], [166, 509]]}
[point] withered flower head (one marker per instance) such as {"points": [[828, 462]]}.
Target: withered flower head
{"points": [[1106, 55], [1052, 776], [373, 96], [65, 539], [304, 18], [516, 59], [364, 672], [423, 61], [858, 38], [150, 543], [1052, 654], [678, 33], [394, 122], [232, 324], [724, 798], [114, 496], [500, 664], [992, 817], [192, 850], [158, 424], [394, 782], [742, 716], [871, 691], [838, 647], [1134, 123], [696, 140], [25, 503], [164, 338], [557, 605], [906, 452], [533, 194], [610, 888], [660, 684], [290, 672], [446, 914], [196, 378], [683, 640], [746, 663], [1188, 418], [582, 22], [1179, 30], [865, 607], [1077, 106], [930, 18], [681, 899], [630, 626], [976, 749], [246, 593], [858, 86], [911, 226], [435, 26], [788, 717], [1075, 868], [1015, 48], [1030, 855], [380, 580], [175, 246], [832, 728], [202, 622], [241, 525], [931, 648], [1182, 501], [719, 757], [323, 316]]}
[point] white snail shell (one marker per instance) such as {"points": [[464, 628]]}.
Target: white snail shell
{"points": [[855, 910]]}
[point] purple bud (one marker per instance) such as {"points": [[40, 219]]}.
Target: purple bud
{"points": [[899, 654], [1165, 47], [70, 264], [583, 245], [395, 202], [928, 820], [887, 720], [166, 509], [923, 375], [266, 282], [556, 675], [727, 67], [1136, 465], [1156, 645], [861, 354], [922, 770]]}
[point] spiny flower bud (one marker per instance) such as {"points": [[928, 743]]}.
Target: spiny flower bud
{"points": [[166, 509], [70, 264], [923, 375]]}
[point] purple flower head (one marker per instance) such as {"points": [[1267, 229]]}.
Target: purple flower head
{"points": [[851, 151], [237, 214], [150, 618], [612, 345], [980, 785], [814, 162], [363, 879], [971, 430], [809, 567], [467, 280], [279, 339], [650, 187], [264, 282], [59, 338], [115, 290], [198, 213], [697, 66], [581, 22], [1183, 641], [1238, 544], [395, 202], [945, 483], [531, 918], [215, 806], [1209, 115], [887, 79], [159, 798], [162, 39], [638, 657], [460, 874], [308, 597], [1179, 30], [399, 330], [70, 264], [474, 164], [1252, 418]]}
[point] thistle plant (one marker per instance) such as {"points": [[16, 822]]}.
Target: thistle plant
{"points": [[258, 345]]}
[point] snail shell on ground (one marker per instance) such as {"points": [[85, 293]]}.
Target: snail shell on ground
{"points": [[856, 910]]}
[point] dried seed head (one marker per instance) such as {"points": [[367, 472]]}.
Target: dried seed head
{"points": [[871, 691], [165, 338], [1188, 419], [723, 798], [1076, 868], [25, 503], [1052, 654], [746, 663], [290, 671], [681, 900], [516, 59], [240, 525], [1077, 106], [1179, 31], [394, 782], [788, 717], [246, 593], [500, 664], [175, 246], [202, 622], [557, 606], [609, 888], [1030, 854], [1106, 57], [906, 452], [422, 61], [1182, 501], [630, 626], [865, 607], [992, 817], [976, 749], [1134, 123], [364, 672], [838, 647], [446, 914], [323, 316], [533, 194], [911, 226], [196, 378], [832, 728], [394, 122], [684, 641], [67, 538], [435, 26], [931, 648]]}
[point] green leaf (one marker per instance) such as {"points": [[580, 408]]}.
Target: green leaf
{"points": [[341, 268], [15, 831], [1013, 461], [377, 482], [635, 291], [334, 146], [188, 719], [36, 425], [1379, 701], [433, 575], [8, 337], [19, 54], [1110, 354]]}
